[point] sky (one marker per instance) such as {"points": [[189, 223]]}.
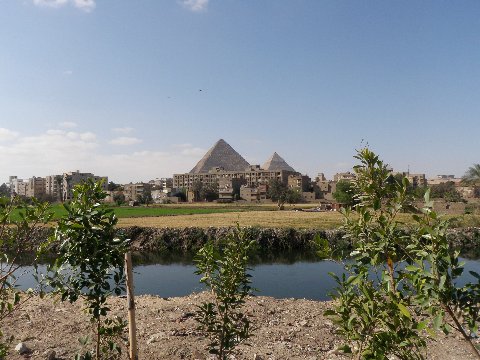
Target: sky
{"points": [[138, 90]]}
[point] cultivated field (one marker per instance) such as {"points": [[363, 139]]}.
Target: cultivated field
{"points": [[274, 219], [219, 215], [265, 217], [169, 210]]}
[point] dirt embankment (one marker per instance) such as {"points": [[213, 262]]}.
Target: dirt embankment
{"points": [[190, 239], [285, 329]]}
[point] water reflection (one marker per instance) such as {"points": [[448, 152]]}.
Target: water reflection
{"points": [[287, 275]]}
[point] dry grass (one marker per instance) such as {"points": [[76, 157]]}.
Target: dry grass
{"points": [[274, 219], [268, 219]]}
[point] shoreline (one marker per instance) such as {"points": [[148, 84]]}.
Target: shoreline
{"points": [[286, 329], [191, 239]]}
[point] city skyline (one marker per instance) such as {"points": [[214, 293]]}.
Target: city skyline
{"points": [[138, 92]]}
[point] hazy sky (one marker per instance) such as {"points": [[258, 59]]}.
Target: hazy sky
{"points": [[141, 89]]}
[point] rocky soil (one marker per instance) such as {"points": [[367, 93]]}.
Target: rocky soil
{"points": [[285, 329]]}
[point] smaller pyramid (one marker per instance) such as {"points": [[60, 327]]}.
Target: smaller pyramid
{"points": [[221, 155], [276, 163]]}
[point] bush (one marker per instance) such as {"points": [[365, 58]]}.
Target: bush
{"points": [[400, 285], [90, 263], [224, 273], [19, 224]]}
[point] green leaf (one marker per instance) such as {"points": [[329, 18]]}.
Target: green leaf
{"points": [[437, 321], [403, 309]]}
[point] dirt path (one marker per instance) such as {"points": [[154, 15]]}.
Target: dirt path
{"points": [[286, 329]]}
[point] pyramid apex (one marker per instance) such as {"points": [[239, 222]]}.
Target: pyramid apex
{"points": [[221, 154], [276, 162]]}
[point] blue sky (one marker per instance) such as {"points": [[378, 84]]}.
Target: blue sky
{"points": [[141, 89]]}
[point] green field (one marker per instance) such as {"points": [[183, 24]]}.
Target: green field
{"points": [[220, 215], [148, 211]]}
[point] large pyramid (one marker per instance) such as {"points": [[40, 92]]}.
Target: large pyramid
{"points": [[276, 163], [221, 155]]}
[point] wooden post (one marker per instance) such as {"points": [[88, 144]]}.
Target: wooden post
{"points": [[132, 329]]}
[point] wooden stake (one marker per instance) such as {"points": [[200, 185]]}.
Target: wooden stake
{"points": [[132, 329]]}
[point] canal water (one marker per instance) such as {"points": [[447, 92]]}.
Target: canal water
{"points": [[281, 277]]}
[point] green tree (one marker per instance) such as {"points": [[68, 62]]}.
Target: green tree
{"points": [[19, 223], [111, 186], [146, 197], [4, 190], [224, 273], [59, 182], [416, 192], [119, 198], [182, 194], [90, 262], [294, 196], [446, 191], [384, 309], [197, 187], [344, 192], [277, 191], [281, 193], [209, 192], [472, 175]]}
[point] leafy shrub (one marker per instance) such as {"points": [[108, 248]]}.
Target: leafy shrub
{"points": [[400, 285], [90, 263], [224, 273], [19, 224]]}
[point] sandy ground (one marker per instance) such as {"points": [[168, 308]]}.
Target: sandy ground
{"points": [[286, 329]]}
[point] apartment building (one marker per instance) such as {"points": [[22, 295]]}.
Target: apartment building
{"points": [[133, 191], [253, 176], [417, 180], [223, 163], [54, 186], [71, 179], [17, 186], [348, 176], [253, 194], [229, 189], [35, 187], [300, 182]]}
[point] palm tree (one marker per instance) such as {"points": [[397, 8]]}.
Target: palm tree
{"points": [[472, 176]]}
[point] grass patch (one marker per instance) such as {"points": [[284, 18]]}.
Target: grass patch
{"points": [[130, 212], [151, 211]]}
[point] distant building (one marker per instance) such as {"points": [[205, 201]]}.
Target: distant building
{"points": [[71, 179], [252, 176], [417, 180], [222, 162], [35, 187], [54, 186], [133, 191], [229, 189], [324, 188], [18, 187], [299, 182], [348, 176], [308, 196], [442, 179], [254, 194], [162, 183]]}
